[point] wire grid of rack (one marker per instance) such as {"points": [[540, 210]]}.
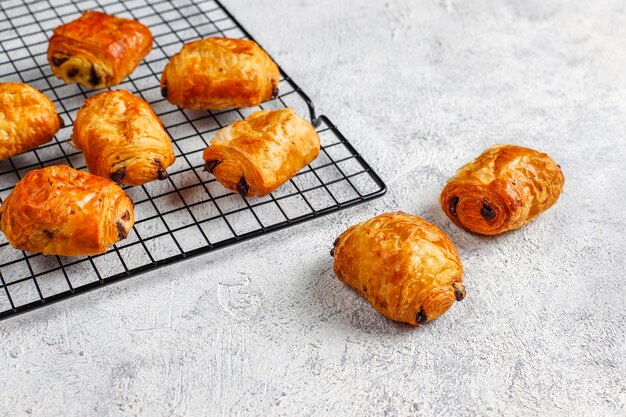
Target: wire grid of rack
{"points": [[189, 213]]}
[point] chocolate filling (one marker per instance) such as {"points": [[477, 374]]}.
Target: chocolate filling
{"points": [[210, 165], [48, 234], [94, 79], [421, 317], [59, 60], [119, 175], [161, 172], [459, 291], [332, 251], [242, 187], [487, 212], [121, 231], [452, 207], [275, 92], [126, 216], [72, 72], [164, 92]]}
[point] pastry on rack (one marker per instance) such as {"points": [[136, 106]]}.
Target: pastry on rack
{"points": [[255, 156], [28, 119], [61, 211], [407, 268], [504, 188], [220, 73], [122, 139], [98, 50]]}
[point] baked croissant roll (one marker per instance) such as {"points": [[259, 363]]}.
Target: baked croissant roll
{"points": [[407, 268], [255, 156], [220, 73], [501, 190], [122, 139], [98, 50], [28, 119], [61, 211]]}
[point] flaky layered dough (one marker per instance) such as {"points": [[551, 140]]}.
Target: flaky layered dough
{"points": [[28, 119], [501, 190], [220, 73], [98, 50], [61, 211], [255, 156], [122, 139], [407, 268]]}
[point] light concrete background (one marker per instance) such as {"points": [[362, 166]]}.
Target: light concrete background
{"points": [[264, 328]]}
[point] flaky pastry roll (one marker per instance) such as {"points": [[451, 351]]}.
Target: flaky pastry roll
{"points": [[255, 156], [407, 268], [122, 139], [28, 119], [61, 211], [504, 188], [220, 73], [98, 50]]}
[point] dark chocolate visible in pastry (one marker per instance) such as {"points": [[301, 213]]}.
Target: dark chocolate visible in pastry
{"points": [[255, 156], [61, 211], [122, 139], [504, 188], [407, 268], [220, 73], [98, 50]]}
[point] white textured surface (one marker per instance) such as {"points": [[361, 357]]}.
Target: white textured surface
{"points": [[264, 328]]}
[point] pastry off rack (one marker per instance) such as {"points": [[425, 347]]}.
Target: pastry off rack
{"points": [[188, 214]]}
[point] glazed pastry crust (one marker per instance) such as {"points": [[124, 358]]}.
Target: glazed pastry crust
{"points": [[501, 190], [28, 119], [61, 211], [255, 156], [220, 73], [407, 268], [122, 139], [98, 50]]}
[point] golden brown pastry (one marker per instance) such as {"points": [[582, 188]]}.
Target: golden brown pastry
{"points": [[220, 73], [61, 211], [255, 156], [407, 268], [501, 190], [98, 50], [122, 139], [28, 119]]}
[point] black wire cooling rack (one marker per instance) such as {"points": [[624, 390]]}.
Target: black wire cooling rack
{"points": [[188, 214]]}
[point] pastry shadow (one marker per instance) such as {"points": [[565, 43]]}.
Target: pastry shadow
{"points": [[334, 303], [80, 272], [463, 240]]}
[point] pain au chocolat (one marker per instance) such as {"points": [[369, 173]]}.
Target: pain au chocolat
{"points": [[504, 188], [98, 50], [122, 138], [220, 73], [255, 156], [28, 119], [61, 211], [407, 268]]}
